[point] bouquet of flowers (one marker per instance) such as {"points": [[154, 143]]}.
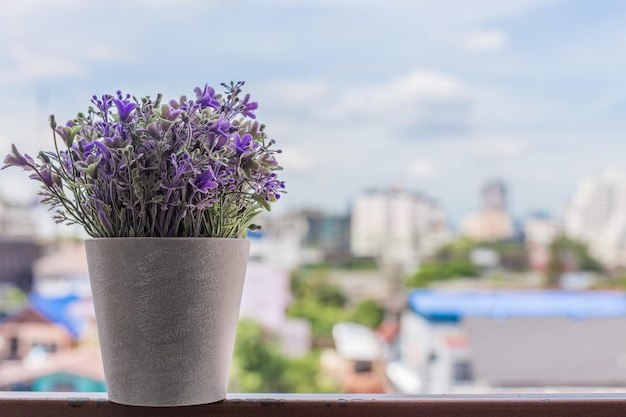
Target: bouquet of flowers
{"points": [[201, 167]]}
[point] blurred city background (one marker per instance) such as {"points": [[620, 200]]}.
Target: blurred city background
{"points": [[455, 216]]}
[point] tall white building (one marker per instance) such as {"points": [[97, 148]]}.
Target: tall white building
{"points": [[396, 226], [597, 216]]}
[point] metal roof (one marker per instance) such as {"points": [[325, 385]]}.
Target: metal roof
{"points": [[65, 311], [452, 306]]}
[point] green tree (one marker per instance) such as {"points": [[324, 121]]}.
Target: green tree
{"points": [[567, 255], [259, 366], [513, 254], [368, 313], [318, 301], [459, 269], [457, 250], [321, 316], [313, 282], [436, 270]]}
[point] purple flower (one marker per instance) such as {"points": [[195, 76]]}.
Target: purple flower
{"points": [[15, 159], [206, 97], [46, 176], [103, 148], [246, 107], [218, 135], [221, 127], [204, 181], [67, 133], [182, 166], [169, 113], [242, 144], [124, 109], [89, 165], [116, 142], [269, 161], [193, 167], [154, 130], [104, 104]]}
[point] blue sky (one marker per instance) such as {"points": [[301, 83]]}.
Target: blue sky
{"points": [[436, 96]]}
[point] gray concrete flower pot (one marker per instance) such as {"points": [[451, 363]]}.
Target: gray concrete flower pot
{"points": [[167, 312]]}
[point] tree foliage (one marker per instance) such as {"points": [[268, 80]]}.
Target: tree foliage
{"points": [[513, 254], [259, 366], [368, 313], [324, 304], [567, 255], [317, 300], [441, 270], [453, 260]]}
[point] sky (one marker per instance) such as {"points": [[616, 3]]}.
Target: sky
{"points": [[435, 96]]}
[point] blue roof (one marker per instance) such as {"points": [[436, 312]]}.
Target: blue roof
{"points": [[255, 234], [452, 306], [59, 310]]}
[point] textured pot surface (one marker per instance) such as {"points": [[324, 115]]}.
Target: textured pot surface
{"points": [[167, 312]]}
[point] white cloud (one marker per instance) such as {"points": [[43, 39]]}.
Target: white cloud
{"points": [[16, 8], [385, 98], [422, 168], [418, 104], [107, 53], [418, 98], [499, 147], [30, 19], [37, 45], [29, 65], [35, 62], [484, 40], [424, 84], [455, 12], [295, 159], [297, 92], [393, 96]]}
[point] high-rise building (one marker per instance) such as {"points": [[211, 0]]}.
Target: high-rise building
{"points": [[328, 232], [492, 222], [494, 196], [596, 215], [397, 226]]}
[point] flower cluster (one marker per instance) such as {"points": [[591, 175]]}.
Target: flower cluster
{"points": [[199, 167]]}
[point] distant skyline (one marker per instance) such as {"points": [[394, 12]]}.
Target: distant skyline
{"points": [[436, 96]]}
